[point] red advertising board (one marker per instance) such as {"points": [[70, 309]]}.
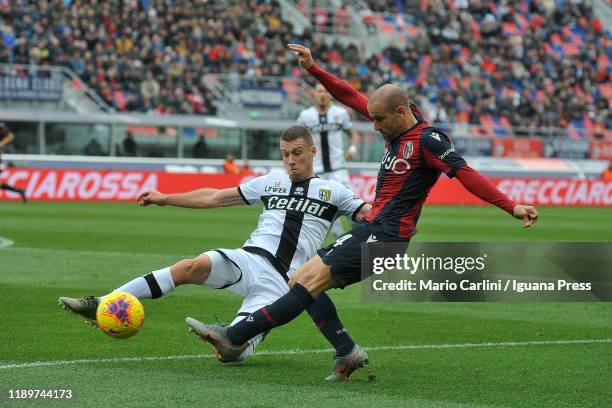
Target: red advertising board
{"points": [[565, 192], [601, 150], [517, 148], [105, 185]]}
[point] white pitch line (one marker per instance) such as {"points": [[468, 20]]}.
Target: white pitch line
{"points": [[99, 253], [308, 351], [5, 242]]}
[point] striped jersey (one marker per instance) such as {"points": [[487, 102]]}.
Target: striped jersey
{"points": [[410, 166], [296, 216], [328, 133]]}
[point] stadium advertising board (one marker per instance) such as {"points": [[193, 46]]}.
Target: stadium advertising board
{"points": [[564, 192], [517, 148], [105, 185], [566, 149], [30, 88], [261, 97], [601, 150], [473, 146]]}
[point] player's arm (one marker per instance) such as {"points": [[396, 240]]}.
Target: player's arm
{"points": [[351, 205], [351, 152], [482, 188], [8, 138], [339, 89], [440, 154], [363, 211], [201, 198]]}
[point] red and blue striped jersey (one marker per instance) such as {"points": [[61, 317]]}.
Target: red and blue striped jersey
{"points": [[410, 166]]}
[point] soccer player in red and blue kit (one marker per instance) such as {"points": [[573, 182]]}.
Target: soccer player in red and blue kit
{"points": [[415, 156]]}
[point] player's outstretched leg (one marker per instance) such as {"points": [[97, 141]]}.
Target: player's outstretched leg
{"points": [[150, 286], [20, 191], [216, 335], [85, 306], [345, 366], [317, 278], [349, 356]]}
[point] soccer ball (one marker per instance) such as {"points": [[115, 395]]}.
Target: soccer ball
{"points": [[120, 315]]}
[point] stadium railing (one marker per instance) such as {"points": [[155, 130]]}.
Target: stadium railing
{"points": [[175, 136]]}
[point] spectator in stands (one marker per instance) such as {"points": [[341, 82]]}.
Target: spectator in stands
{"points": [[149, 88], [245, 169], [457, 52], [607, 174], [229, 166], [130, 147], [200, 148], [93, 148], [341, 19]]}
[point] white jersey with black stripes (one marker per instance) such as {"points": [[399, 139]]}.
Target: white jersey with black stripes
{"points": [[328, 132], [296, 216]]}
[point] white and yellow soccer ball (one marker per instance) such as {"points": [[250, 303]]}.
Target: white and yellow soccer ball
{"points": [[120, 315]]}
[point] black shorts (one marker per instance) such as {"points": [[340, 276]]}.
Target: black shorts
{"points": [[344, 255]]}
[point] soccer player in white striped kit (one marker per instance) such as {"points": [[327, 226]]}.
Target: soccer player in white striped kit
{"points": [[299, 208], [328, 124]]}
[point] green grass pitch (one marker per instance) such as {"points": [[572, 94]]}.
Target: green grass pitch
{"points": [[424, 354]]}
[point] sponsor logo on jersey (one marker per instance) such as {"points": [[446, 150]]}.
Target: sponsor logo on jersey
{"points": [[436, 136], [276, 188], [325, 194], [305, 205], [393, 163], [299, 191], [408, 149], [446, 153]]}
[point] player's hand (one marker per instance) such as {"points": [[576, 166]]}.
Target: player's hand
{"points": [[150, 197], [351, 153], [303, 55], [527, 213]]}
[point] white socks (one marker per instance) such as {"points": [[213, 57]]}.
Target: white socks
{"points": [[150, 286]]}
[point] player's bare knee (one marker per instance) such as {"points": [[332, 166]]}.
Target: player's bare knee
{"points": [[320, 281], [179, 271], [194, 271], [199, 269]]}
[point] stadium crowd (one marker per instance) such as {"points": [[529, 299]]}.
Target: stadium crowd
{"points": [[536, 63], [531, 63]]}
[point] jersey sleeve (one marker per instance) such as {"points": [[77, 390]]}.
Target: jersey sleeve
{"points": [[301, 120], [346, 120], [251, 190], [341, 90], [439, 153], [349, 203]]}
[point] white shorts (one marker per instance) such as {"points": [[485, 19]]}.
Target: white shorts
{"points": [[247, 274], [341, 176]]}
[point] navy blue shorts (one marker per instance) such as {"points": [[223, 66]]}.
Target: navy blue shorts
{"points": [[344, 255]]}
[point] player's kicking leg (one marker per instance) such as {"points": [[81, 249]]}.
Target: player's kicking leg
{"points": [[346, 362], [20, 191], [311, 280], [150, 286]]}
